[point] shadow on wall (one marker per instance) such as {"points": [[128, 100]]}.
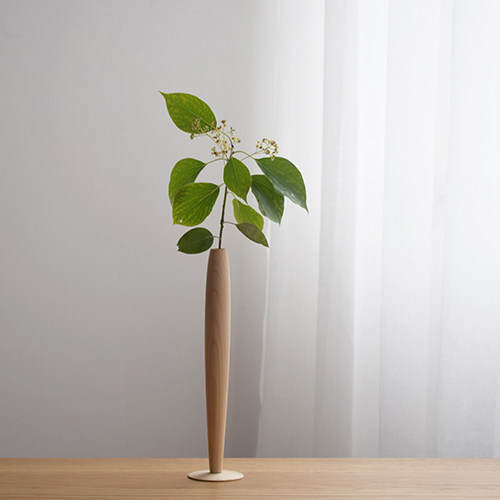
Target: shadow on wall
{"points": [[246, 350]]}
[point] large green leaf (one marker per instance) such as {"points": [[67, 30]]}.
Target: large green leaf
{"points": [[184, 172], [194, 202], [285, 177], [184, 109], [237, 177], [245, 213], [196, 240], [271, 203], [252, 232]]}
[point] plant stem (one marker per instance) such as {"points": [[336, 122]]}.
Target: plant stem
{"points": [[222, 218], [247, 155], [211, 161]]}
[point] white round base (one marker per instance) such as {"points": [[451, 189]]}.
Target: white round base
{"points": [[206, 475]]}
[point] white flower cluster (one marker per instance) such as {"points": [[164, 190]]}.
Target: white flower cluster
{"points": [[268, 146], [224, 140], [196, 129]]}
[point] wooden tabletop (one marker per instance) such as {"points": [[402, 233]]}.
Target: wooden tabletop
{"points": [[289, 478]]}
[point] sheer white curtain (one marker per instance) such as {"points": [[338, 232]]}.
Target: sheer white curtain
{"points": [[382, 331]]}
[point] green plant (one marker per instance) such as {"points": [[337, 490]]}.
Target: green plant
{"points": [[192, 202]]}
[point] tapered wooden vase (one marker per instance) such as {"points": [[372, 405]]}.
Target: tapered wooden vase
{"points": [[217, 346]]}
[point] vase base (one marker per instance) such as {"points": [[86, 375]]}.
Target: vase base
{"points": [[206, 475]]}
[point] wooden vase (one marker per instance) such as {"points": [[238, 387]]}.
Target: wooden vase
{"points": [[217, 348]]}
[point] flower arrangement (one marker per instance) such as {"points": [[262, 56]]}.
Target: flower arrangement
{"points": [[192, 202]]}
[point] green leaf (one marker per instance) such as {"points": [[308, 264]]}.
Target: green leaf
{"points": [[237, 177], [285, 177], [184, 172], [271, 203], [194, 202], [252, 232], [245, 213], [196, 241], [186, 109]]}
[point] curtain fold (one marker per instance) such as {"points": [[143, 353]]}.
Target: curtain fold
{"points": [[382, 330]]}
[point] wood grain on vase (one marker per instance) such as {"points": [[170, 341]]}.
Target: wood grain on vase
{"points": [[217, 347]]}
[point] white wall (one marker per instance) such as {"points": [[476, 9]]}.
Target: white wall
{"points": [[101, 323]]}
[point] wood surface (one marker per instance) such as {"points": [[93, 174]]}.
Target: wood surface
{"points": [[217, 344], [289, 478]]}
